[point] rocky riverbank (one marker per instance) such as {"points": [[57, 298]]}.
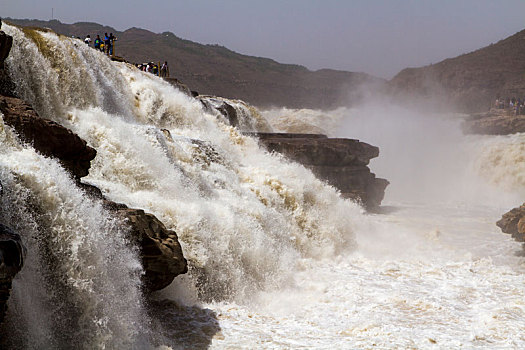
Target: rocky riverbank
{"points": [[342, 163], [494, 122]]}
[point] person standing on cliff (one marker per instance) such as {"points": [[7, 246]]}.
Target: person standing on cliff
{"points": [[165, 70], [97, 42], [106, 43], [112, 39], [87, 40]]}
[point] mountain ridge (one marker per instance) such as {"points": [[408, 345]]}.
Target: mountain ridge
{"points": [[216, 70], [471, 81], [468, 83]]}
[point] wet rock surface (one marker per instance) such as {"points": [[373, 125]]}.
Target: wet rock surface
{"points": [[47, 137], [7, 87], [6, 42], [340, 162], [12, 253], [513, 223], [227, 110], [159, 248]]}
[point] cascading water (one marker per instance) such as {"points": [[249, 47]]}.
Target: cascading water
{"points": [[244, 217], [272, 251], [433, 271], [81, 283]]}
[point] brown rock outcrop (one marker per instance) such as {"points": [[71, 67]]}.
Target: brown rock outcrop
{"points": [[494, 122], [340, 162], [6, 85], [6, 42], [48, 137], [159, 248], [12, 253], [513, 223], [227, 110]]}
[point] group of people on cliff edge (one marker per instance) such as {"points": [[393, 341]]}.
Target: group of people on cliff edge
{"points": [[105, 45], [163, 72], [512, 105]]}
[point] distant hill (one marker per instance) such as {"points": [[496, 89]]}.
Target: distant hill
{"points": [[215, 70], [472, 81]]}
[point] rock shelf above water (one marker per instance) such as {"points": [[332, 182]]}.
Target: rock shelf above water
{"points": [[343, 163]]}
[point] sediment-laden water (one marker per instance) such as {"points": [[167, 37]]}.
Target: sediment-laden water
{"points": [[277, 259]]}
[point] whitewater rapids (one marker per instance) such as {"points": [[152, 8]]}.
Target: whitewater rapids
{"points": [[277, 259]]}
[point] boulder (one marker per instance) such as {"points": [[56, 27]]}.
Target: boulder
{"points": [[342, 163], [6, 42], [159, 248], [220, 105], [48, 137], [12, 254], [7, 87], [513, 223]]}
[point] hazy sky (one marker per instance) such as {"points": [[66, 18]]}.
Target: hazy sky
{"points": [[379, 37]]}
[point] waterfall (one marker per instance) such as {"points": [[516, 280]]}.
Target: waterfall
{"points": [[81, 282], [245, 218]]}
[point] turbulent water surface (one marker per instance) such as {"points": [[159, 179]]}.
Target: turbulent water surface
{"points": [[277, 259]]}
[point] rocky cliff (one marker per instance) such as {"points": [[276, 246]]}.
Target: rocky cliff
{"points": [[494, 122], [48, 137], [342, 163]]}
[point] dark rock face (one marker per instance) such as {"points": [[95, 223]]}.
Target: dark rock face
{"points": [[494, 122], [6, 42], [513, 223], [12, 253], [179, 85], [48, 137], [223, 107], [159, 248], [340, 162], [7, 87]]}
